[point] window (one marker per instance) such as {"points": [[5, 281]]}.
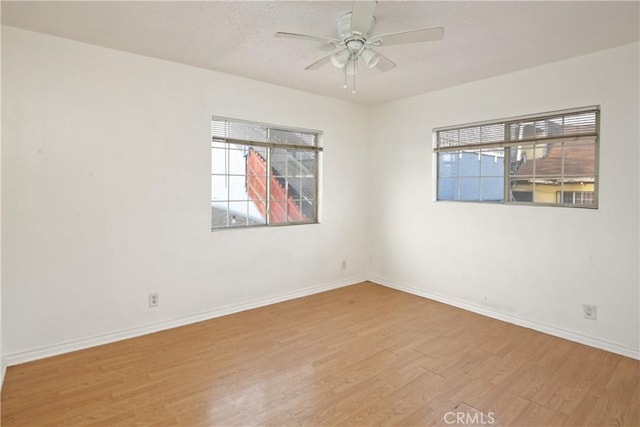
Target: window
{"points": [[575, 197], [547, 159], [262, 175]]}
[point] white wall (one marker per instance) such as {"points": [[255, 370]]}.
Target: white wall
{"points": [[106, 196], [2, 364], [530, 265]]}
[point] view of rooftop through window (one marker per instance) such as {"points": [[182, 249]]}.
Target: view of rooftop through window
{"points": [[548, 159]]}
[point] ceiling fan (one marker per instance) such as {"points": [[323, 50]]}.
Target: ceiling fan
{"points": [[356, 41]]}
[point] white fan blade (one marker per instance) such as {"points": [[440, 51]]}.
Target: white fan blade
{"points": [[413, 36], [362, 16], [320, 63], [307, 37], [384, 64], [328, 47]]}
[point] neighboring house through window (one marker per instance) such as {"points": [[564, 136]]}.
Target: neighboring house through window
{"points": [[545, 159], [262, 174]]}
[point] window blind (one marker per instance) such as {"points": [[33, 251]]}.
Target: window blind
{"points": [[566, 125], [256, 134]]}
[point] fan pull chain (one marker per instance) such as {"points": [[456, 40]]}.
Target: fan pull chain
{"points": [[345, 78], [355, 72]]}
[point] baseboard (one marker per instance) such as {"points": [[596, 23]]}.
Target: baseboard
{"points": [[540, 327], [80, 344], [3, 371]]}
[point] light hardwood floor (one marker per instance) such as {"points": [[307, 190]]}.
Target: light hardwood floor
{"points": [[360, 355]]}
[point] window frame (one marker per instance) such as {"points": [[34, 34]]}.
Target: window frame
{"points": [[270, 147], [507, 144]]}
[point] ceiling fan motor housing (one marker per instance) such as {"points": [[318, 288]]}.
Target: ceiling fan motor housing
{"points": [[355, 43]]}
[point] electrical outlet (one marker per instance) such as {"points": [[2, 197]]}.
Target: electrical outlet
{"points": [[590, 311], [154, 299], [344, 264]]}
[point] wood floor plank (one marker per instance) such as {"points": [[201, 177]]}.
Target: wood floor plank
{"points": [[359, 355]]}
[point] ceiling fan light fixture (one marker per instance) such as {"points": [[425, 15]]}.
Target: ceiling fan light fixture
{"points": [[340, 58], [370, 58]]}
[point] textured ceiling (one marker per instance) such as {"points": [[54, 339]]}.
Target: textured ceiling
{"points": [[482, 39]]}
